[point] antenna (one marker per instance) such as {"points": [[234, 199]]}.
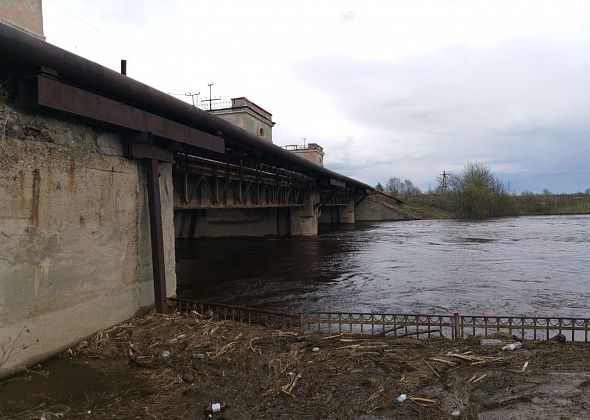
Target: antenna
{"points": [[192, 95], [211, 98]]}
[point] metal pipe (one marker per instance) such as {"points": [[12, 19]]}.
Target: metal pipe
{"points": [[124, 67], [29, 53]]}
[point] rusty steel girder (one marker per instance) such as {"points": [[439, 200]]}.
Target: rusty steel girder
{"points": [[201, 191]]}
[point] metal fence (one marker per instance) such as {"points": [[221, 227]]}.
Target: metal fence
{"points": [[395, 325], [265, 317], [452, 327]]}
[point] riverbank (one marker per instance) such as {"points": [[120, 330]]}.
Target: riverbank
{"points": [[435, 206], [171, 366]]}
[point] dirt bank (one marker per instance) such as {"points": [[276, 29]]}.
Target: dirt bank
{"points": [[171, 366]]}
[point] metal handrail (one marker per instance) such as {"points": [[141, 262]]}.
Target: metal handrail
{"points": [[447, 326]]}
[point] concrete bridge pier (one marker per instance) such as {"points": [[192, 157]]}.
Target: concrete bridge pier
{"points": [[346, 214], [304, 220], [333, 215]]}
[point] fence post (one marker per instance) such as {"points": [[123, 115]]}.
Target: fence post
{"points": [[456, 327]]}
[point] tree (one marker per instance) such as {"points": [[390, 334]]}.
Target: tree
{"points": [[476, 193], [403, 189]]}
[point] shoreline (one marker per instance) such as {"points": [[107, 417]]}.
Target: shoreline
{"points": [[171, 366]]}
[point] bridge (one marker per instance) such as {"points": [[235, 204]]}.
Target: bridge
{"points": [[100, 173]]}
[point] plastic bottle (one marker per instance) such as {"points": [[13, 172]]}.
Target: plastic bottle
{"points": [[512, 346], [401, 398], [490, 342], [214, 408]]}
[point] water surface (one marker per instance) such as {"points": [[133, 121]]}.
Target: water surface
{"points": [[513, 266]]}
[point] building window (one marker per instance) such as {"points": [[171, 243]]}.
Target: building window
{"points": [[261, 132]]}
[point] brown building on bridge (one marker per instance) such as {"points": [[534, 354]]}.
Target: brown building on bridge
{"points": [[249, 116], [312, 152], [25, 15]]}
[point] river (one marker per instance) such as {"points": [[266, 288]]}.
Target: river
{"points": [[511, 266]]}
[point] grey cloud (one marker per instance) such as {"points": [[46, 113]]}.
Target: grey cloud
{"points": [[495, 104]]}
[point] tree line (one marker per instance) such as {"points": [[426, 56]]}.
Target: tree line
{"points": [[398, 188], [473, 193]]}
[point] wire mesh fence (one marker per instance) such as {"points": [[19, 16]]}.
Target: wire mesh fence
{"points": [[451, 327]]}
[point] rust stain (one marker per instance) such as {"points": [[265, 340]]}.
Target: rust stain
{"points": [[39, 271], [35, 201], [21, 189], [72, 177]]}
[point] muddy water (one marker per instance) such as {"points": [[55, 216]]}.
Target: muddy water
{"points": [[61, 387], [526, 265]]}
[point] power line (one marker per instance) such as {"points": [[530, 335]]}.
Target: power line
{"points": [[97, 29]]}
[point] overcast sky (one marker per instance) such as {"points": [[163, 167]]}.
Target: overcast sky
{"points": [[388, 88]]}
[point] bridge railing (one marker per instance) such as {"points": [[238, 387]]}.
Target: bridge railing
{"points": [[451, 327]]}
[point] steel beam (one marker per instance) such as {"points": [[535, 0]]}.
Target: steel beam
{"points": [[156, 234], [58, 96]]}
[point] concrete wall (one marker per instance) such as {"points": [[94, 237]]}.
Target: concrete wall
{"points": [[23, 14], [74, 235], [375, 207], [216, 223]]}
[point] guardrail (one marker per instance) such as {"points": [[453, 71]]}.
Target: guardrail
{"points": [[451, 327]]}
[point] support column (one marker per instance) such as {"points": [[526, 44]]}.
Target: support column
{"points": [[156, 234], [346, 213], [304, 220]]}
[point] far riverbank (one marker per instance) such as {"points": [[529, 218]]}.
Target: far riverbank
{"points": [[435, 206]]}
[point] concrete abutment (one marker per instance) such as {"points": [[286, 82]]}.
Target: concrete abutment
{"points": [[75, 254]]}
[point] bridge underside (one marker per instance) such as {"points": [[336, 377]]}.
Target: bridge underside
{"points": [[214, 198]]}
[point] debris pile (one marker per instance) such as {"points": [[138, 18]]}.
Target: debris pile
{"points": [[191, 361]]}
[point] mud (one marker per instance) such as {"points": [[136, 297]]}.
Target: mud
{"points": [[171, 366]]}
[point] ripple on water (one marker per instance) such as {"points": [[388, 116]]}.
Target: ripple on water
{"points": [[515, 266]]}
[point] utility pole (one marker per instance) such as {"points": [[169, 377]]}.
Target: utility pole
{"points": [[443, 184], [211, 98]]}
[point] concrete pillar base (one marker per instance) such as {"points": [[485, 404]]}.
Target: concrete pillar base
{"points": [[346, 214], [304, 220]]}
